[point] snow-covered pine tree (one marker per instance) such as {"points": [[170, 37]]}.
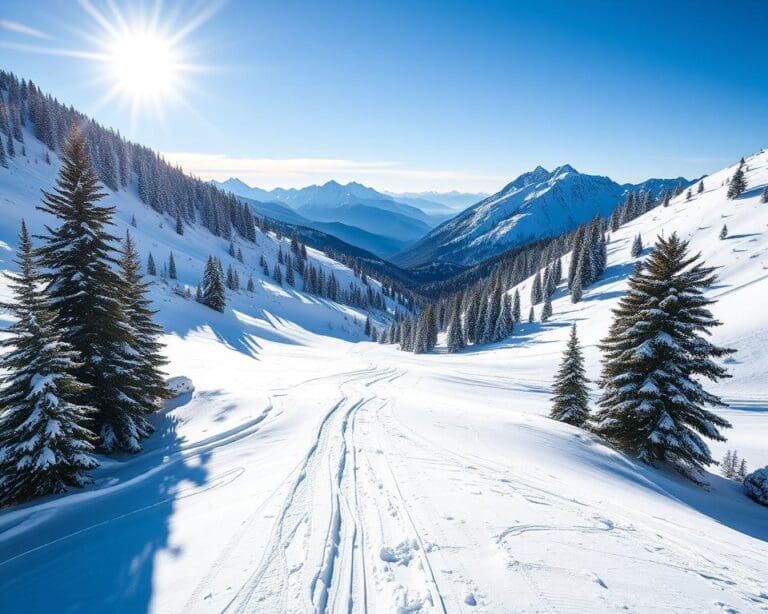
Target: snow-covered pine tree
{"points": [[290, 279], [723, 232], [45, 443], [471, 315], [148, 377], [250, 287], [652, 403], [78, 258], [367, 327], [637, 246], [576, 287], [455, 339], [504, 323], [742, 471], [171, 267], [179, 225], [738, 184], [536, 293], [546, 310], [570, 401], [213, 292], [726, 465], [492, 316], [516, 306], [151, 267]]}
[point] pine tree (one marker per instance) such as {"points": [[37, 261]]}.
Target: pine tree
{"points": [[724, 232], [251, 287], [3, 158], [455, 340], [45, 444], [652, 403], [576, 290], [531, 316], [151, 268], [11, 148], [742, 471], [546, 310], [504, 323], [726, 465], [213, 292], [367, 327], [179, 225], [171, 267], [570, 402], [738, 184], [536, 293], [764, 196], [637, 246], [277, 274], [78, 257], [133, 221], [516, 306], [290, 279], [147, 376]]}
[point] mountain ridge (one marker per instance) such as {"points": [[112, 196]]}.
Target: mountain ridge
{"points": [[537, 204]]}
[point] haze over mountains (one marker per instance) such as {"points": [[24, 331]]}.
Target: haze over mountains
{"points": [[414, 230], [355, 213]]}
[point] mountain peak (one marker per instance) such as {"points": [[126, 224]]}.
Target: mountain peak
{"points": [[565, 168]]}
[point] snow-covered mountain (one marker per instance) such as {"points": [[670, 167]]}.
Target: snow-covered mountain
{"points": [[537, 204]]}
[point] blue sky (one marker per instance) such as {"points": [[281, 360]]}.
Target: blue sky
{"points": [[425, 95]]}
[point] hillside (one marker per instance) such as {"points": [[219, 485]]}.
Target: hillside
{"points": [[309, 471], [537, 204]]}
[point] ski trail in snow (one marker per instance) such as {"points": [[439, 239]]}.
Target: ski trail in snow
{"points": [[308, 563]]}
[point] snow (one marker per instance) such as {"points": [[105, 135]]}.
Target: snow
{"points": [[300, 469]]}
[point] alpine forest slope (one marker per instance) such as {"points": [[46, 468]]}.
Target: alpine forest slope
{"points": [[537, 204], [301, 468]]}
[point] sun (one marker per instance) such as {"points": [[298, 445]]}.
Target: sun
{"points": [[144, 65]]}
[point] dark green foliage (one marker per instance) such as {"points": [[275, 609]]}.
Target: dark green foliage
{"points": [[570, 401], [738, 184], [653, 404], [45, 444], [213, 292], [79, 259]]}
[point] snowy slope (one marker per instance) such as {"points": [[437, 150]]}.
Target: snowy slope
{"points": [[306, 473], [537, 204]]}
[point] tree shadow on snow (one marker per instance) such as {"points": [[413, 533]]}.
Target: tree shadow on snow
{"points": [[95, 550], [721, 499]]}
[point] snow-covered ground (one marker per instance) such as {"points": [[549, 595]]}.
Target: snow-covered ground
{"points": [[312, 472]]}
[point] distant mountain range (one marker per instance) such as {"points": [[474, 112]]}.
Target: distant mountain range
{"points": [[439, 202], [537, 204], [356, 213]]}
